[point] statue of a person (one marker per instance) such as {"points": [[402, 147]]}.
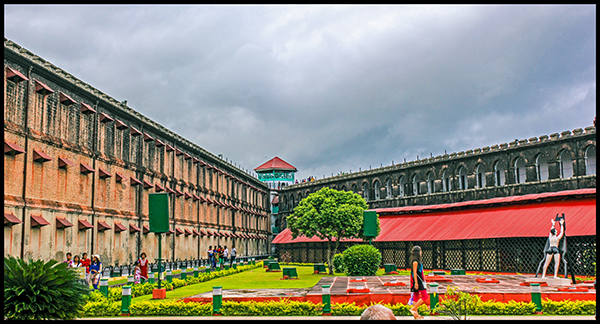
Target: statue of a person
{"points": [[553, 250]]}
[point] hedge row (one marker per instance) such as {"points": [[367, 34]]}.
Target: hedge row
{"points": [[296, 308], [115, 293]]}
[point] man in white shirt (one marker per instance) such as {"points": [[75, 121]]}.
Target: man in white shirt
{"points": [[225, 254], [233, 255]]}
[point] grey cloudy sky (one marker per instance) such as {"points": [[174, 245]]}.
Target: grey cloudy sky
{"points": [[330, 88]]}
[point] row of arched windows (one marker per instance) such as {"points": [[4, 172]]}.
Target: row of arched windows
{"points": [[412, 186]]}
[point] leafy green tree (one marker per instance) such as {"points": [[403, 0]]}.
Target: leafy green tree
{"points": [[330, 215], [38, 289]]}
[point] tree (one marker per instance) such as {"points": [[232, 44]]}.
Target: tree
{"points": [[330, 215]]}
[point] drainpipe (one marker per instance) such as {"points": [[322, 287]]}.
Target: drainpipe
{"points": [[94, 147], [140, 192], [140, 188], [172, 201], [26, 131]]}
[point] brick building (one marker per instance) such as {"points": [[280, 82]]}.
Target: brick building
{"points": [[79, 165]]}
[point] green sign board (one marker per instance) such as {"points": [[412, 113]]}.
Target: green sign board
{"points": [[158, 212], [276, 176], [370, 223]]}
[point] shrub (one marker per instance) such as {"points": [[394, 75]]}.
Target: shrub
{"points": [[338, 263], [569, 307], [38, 289], [361, 260]]}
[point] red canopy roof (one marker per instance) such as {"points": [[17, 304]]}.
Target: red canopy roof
{"points": [[275, 164], [525, 219]]}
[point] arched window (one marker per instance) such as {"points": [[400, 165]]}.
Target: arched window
{"points": [[541, 167], [388, 188], [590, 160], [376, 189], [292, 201], [480, 176], [299, 197], [401, 186], [520, 170], [446, 181], [366, 191], [344, 188], [354, 188], [415, 183], [430, 183], [499, 178], [462, 178], [566, 165]]}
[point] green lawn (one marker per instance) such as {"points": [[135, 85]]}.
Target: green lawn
{"points": [[253, 279]]}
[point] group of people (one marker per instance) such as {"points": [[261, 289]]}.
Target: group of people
{"points": [[221, 255], [93, 267]]}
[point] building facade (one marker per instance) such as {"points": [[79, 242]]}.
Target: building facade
{"points": [[519, 172], [564, 161], [79, 166]]}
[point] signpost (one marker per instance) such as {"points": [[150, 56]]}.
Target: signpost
{"points": [[158, 215], [370, 224]]}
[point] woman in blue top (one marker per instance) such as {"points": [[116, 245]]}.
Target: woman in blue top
{"points": [[417, 282], [96, 270]]}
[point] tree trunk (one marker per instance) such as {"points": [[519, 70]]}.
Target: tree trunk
{"points": [[329, 263]]}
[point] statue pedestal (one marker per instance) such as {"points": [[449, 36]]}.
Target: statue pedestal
{"points": [[551, 281]]}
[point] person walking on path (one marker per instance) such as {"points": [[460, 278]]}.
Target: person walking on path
{"points": [[226, 254], [417, 282], [220, 257], [143, 264], [85, 262], [233, 255], [96, 270], [211, 257]]}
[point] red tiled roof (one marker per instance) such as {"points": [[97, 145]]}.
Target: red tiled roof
{"points": [[62, 222], [87, 109], [38, 221], [14, 74], [64, 162], [12, 148], [102, 226], [119, 227], [133, 228], [83, 224], [11, 219], [42, 88], [41, 156], [276, 164], [65, 99]]}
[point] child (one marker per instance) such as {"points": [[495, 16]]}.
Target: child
{"points": [[137, 273], [417, 282]]}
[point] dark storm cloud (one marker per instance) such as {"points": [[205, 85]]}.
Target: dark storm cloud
{"points": [[330, 88]]}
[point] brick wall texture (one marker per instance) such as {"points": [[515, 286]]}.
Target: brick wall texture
{"points": [[74, 153]]}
